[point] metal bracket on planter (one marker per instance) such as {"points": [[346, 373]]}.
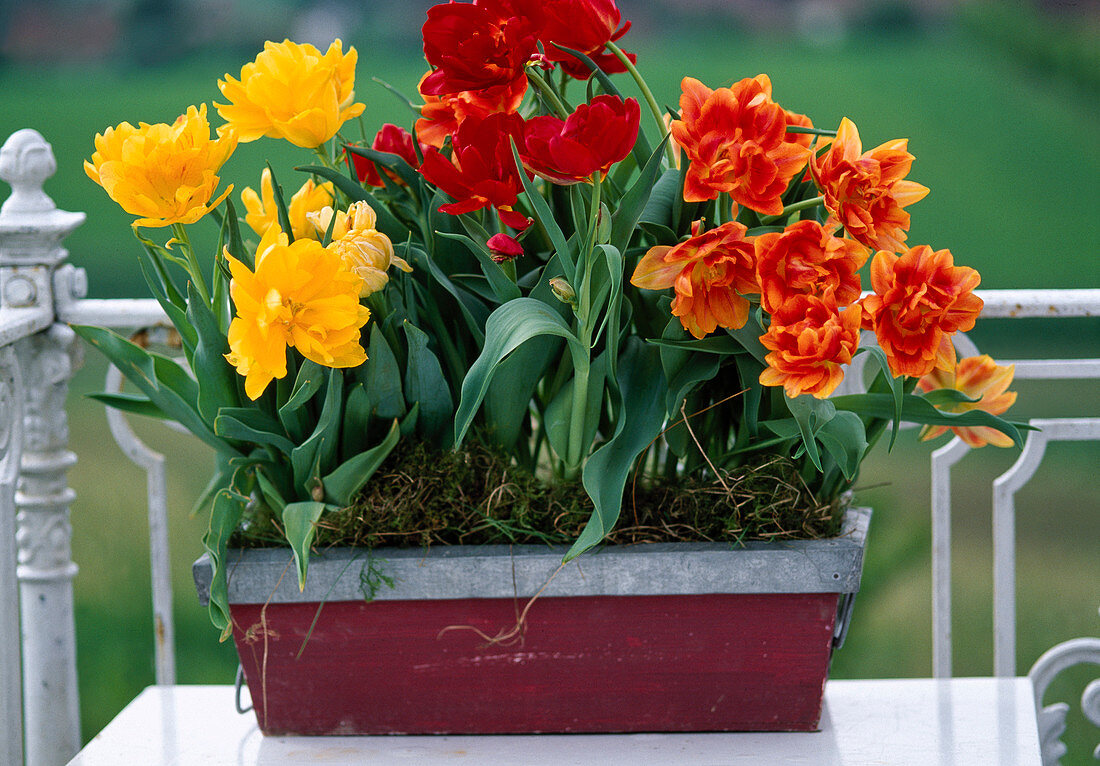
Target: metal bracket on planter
{"points": [[237, 688], [843, 618]]}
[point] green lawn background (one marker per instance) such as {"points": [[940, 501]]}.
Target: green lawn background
{"points": [[1012, 160]]}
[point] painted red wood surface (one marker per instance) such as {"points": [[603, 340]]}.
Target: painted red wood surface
{"points": [[585, 664]]}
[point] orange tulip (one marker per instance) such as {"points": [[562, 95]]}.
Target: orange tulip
{"points": [[921, 299], [710, 273], [806, 259], [979, 377], [808, 340], [866, 191], [736, 139]]}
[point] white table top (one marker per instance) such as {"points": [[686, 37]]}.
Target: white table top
{"points": [[923, 722]]}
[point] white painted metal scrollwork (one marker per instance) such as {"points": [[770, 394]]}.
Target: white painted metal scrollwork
{"points": [[11, 436], [1052, 718], [43, 534], [31, 232]]}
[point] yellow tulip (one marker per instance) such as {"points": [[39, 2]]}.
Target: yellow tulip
{"points": [[164, 174], [263, 213], [291, 91], [980, 378], [363, 249], [300, 295]]}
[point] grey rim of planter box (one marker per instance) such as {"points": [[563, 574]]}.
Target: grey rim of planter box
{"points": [[832, 565]]}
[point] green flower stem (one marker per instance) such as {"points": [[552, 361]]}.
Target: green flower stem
{"points": [[658, 117], [194, 270], [559, 107], [590, 245], [723, 208], [324, 157], [794, 207], [576, 423], [584, 308], [400, 96], [810, 131]]}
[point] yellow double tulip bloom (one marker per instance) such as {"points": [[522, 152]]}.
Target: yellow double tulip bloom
{"points": [[292, 91], [164, 174]]}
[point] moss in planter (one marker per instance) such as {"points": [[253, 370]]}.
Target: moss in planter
{"points": [[474, 496]]}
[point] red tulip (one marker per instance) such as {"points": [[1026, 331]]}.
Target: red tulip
{"points": [[585, 26], [479, 45], [441, 115], [481, 171], [390, 139], [592, 139], [503, 248]]}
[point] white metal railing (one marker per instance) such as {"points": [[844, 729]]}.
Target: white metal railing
{"points": [[40, 294], [1005, 304], [1010, 304]]}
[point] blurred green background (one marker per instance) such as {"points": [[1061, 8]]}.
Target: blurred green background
{"points": [[1000, 101]]}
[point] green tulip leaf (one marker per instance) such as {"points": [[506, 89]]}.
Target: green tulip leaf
{"points": [[341, 485], [641, 398], [425, 383], [507, 329], [299, 521]]}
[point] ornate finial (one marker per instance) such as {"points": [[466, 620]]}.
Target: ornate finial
{"points": [[26, 161]]}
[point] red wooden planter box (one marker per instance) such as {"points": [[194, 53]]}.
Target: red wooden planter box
{"points": [[631, 651]]}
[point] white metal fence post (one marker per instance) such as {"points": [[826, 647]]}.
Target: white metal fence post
{"points": [[11, 435], [31, 231]]}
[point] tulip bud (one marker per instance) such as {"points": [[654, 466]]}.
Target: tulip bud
{"points": [[503, 248], [541, 61], [563, 291]]}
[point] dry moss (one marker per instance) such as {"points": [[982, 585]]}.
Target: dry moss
{"points": [[474, 496]]}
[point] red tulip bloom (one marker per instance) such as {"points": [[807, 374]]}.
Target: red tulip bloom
{"points": [[390, 139], [441, 115], [481, 171], [585, 26], [503, 248], [590, 140], [479, 45]]}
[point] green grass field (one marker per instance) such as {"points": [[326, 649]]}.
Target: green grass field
{"points": [[1011, 159]]}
